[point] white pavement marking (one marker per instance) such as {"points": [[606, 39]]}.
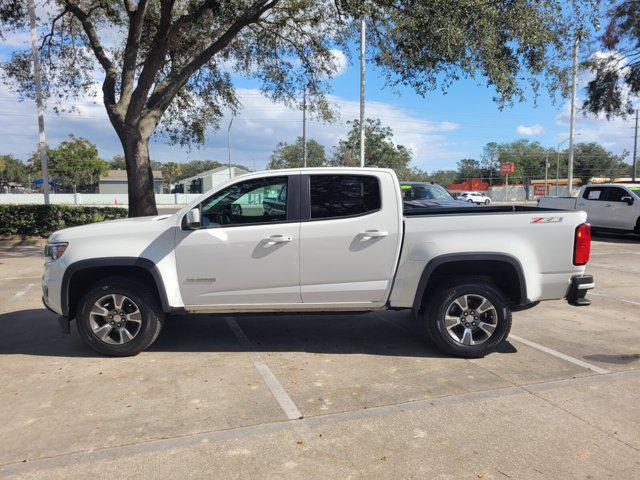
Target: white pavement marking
{"points": [[267, 375], [555, 353], [19, 278], [23, 291], [631, 302]]}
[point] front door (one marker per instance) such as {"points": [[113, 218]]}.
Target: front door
{"points": [[247, 250], [350, 238], [622, 215]]}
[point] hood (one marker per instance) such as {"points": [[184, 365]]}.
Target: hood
{"points": [[120, 227]]}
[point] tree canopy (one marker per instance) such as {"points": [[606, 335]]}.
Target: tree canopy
{"points": [[167, 65], [616, 71], [288, 155]]}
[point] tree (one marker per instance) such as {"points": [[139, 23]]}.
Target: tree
{"points": [[380, 151], [165, 64], [74, 163], [468, 168], [171, 172], [443, 177], [528, 158], [616, 72], [594, 161], [291, 156], [13, 170], [118, 163]]}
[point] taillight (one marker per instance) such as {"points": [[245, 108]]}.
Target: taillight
{"points": [[582, 244]]}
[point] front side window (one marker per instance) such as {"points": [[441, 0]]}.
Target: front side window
{"points": [[343, 195], [615, 194], [263, 200]]}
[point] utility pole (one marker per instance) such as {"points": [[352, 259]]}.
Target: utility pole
{"points": [[635, 149], [572, 124], [229, 144], [304, 126], [546, 174], [363, 27], [38, 80]]}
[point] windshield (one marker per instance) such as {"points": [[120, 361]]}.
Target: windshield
{"points": [[424, 192]]}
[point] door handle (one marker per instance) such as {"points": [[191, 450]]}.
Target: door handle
{"points": [[608, 205], [373, 234], [581, 204], [279, 239]]}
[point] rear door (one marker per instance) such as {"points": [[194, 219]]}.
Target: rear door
{"points": [[350, 237], [593, 201]]}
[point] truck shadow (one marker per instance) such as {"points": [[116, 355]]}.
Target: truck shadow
{"points": [[36, 332]]}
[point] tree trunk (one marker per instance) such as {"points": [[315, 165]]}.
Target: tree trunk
{"points": [[142, 198]]}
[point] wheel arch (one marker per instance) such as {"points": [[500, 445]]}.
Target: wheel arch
{"points": [[81, 274], [505, 269]]}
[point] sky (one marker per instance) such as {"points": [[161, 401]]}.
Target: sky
{"points": [[440, 129]]}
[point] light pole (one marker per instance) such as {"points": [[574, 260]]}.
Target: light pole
{"points": [[36, 74], [363, 27], [229, 144], [304, 127], [572, 123], [558, 164]]}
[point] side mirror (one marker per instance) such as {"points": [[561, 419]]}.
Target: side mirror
{"points": [[628, 199], [192, 219]]}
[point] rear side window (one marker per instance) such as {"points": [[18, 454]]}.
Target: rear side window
{"points": [[343, 195], [593, 193]]}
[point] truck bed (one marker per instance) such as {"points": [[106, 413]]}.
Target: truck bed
{"points": [[482, 210]]}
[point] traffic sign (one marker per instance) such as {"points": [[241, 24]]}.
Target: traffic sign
{"points": [[507, 168]]}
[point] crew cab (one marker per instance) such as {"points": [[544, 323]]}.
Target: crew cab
{"points": [[609, 206], [336, 240]]}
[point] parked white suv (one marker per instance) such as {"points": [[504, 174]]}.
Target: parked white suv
{"points": [[475, 197], [318, 239]]}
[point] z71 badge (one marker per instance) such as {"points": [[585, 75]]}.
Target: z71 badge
{"points": [[546, 220]]}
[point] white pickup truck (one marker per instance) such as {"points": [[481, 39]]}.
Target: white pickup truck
{"points": [[609, 206], [320, 239]]}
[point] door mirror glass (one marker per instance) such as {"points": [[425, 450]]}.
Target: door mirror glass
{"points": [[192, 219], [628, 199]]}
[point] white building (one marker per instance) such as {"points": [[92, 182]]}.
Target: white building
{"points": [[205, 181]]}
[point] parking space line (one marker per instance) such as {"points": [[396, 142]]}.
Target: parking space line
{"points": [[542, 348], [19, 278], [631, 302], [267, 375], [23, 291]]}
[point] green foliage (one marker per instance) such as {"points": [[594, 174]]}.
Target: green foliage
{"points": [[73, 164], [13, 170], [443, 177], [380, 151], [468, 168], [42, 220], [288, 155], [117, 163], [594, 161], [616, 80], [171, 171]]}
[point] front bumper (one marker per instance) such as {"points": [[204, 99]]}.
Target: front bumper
{"points": [[580, 285]]}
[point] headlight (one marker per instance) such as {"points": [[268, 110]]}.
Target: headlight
{"points": [[54, 251]]}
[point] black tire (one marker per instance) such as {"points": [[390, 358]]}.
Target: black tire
{"points": [[142, 296], [487, 202], [441, 303]]}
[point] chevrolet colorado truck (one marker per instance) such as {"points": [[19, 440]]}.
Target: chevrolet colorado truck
{"points": [[336, 240], [609, 206]]}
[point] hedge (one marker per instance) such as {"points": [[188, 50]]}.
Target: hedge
{"points": [[42, 220]]}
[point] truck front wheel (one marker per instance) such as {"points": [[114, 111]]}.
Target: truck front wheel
{"points": [[469, 319], [119, 317]]}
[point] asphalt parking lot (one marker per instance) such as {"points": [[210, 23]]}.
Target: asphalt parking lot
{"points": [[220, 396]]}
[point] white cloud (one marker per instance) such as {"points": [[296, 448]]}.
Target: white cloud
{"points": [[340, 61], [258, 128], [531, 130]]}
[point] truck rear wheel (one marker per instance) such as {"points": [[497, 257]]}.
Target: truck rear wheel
{"points": [[468, 319], [119, 317]]}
